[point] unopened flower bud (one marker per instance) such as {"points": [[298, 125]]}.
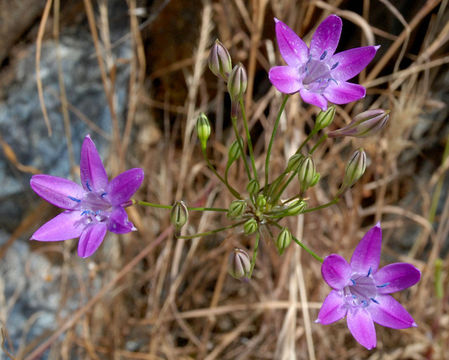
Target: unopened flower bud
{"points": [[179, 215], [220, 62], [283, 240], [237, 82], [294, 162], [261, 202], [364, 124], [234, 151], [315, 180], [325, 118], [306, 173], [296, 207], [250, 226], [203, 129], [354, 169], [236, 209], [239, 264], [253, 187]]}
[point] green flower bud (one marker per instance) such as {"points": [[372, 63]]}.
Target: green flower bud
{"points": [[261, 202], [237, 82], [294, 162], [354, 169], [239, 265], [253, 187], [283, 240], [306, 173], [179, 215], [364, 124], [315, 180], [325, 118], [296, 207], [219, 61], [234, 151], [236, 209], [250, 226], [203, 129]]}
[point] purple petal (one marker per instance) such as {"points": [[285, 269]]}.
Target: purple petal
{"points": [[119, 223], [325, 39], [336, 271], [91, 239], [332, 310], [92, 172], [388, 312], [344, 92], [285, 79], [60, 192], [314, 98], [293, 50], [396, 277], [361, 326], [352, 62], [67, 225], [366, 255], [123, 186]]}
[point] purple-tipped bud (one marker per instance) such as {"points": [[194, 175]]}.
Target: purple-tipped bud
{"points": [[179, 215], [236, 209], [237, 82], [364, 124], [283, 240], [203, 129], [325, 118], [306, 173], [239, 264], [294, 162], [220, 62], [250, 226], [354, 169]]}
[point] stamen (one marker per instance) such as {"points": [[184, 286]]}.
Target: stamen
{"points": [[88, 186], [334, 66], [369, 272], [374, 301], [74, 199], [383, 285], [364, 302], [323, 55], [85, 212], [103, 195], [353, 282]]}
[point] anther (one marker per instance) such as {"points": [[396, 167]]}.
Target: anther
{"points": [[369, 272], [103, 195], [334, 66], [323, 55], [353, 282], [383, 285], [74, 199], [374, 300], [88, 186]]}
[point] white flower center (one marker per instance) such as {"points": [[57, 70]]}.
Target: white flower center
{"points": [[362, 290]]}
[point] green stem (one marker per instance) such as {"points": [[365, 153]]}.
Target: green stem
{"points": [[146, 203], [253, 259], [248, 138], [284, 186], [320, 141], [236, 131], [212, 231], [323, 206], [230, 188], [273, 134], [305, 247]]}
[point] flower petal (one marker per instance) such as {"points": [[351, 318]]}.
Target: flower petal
{"points": [[388, 312], [314, 98], [119, 223], [332, 310], [293, 49], [325, 39], [396, 277], [285, 79], [344, 92], [91, 239], [366, 255], [92, 172], [67, 225], [123, 186], [351, 62], [60, 192], [336, 271], [361, 326]]}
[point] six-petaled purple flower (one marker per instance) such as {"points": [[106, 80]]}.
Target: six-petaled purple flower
{"points": [[91, 209], [316, 72], [360, 290]]}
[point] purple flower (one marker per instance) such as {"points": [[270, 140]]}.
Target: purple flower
{"points": [[91, 209], [316, 72], [360, 290]]}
